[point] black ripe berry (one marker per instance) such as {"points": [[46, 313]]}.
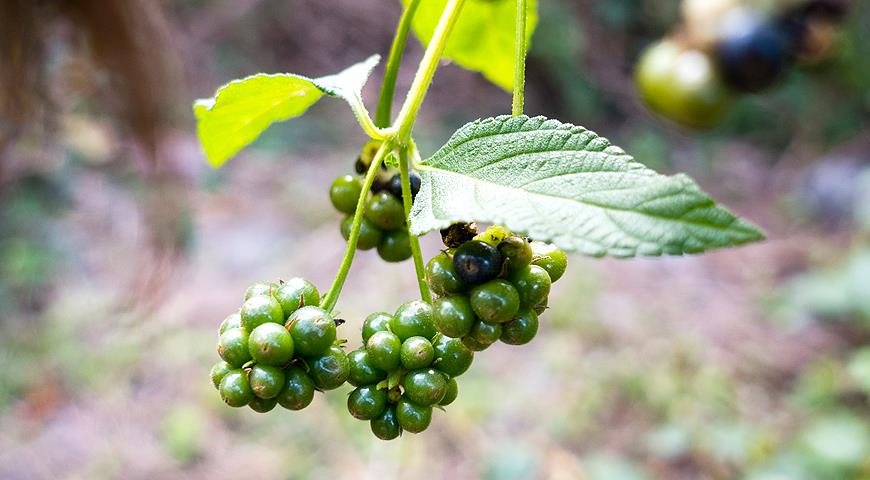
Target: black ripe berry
{"points": [[752, 52], [477, 262], [396, 185], [458, 233]]}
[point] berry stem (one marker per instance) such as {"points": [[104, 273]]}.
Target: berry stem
{"points": [[415, 242], [520, 59], [331, 298], [388, 87], [423, 79]]}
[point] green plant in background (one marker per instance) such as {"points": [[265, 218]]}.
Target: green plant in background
{"points": [[528, 177]]}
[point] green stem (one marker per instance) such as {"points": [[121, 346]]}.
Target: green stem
{"points": [[331, 298], [423, 79], [415, 242], [388, 87], [520, 59]]}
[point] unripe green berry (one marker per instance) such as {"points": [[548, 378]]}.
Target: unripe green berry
{"points": [[521, 330], [412, 417], [517, 253], [266, 381], [417, 352], [271, 344], [233, 347], [261, 309], [362, 372], [453, 315], [233, 320], [384, 351], [413, 319], [329, 370], [313, 330], [386, 426], [385, 211], [218, 371], [367, 402], [376, 322], [482, 335], [295, 294], [451, 394], [370, 236], [395, 246], [235, 389], [260, 288], [496, 301], [298, 389], [442, 276], [425, 387], [452, 356], [262, 405], [550, 258], [344, 193], [532, 284]]}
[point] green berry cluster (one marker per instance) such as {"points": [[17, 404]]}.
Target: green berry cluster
{"points": [[491, 286], [404, 369], [383, 225], [278, 349]]}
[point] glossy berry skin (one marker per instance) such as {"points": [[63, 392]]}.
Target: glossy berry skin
{"points": [[260, 288], [521, 330], [476, 262], [416, 352], [235, 389], [395, 186], [453, 316], [330, 370], [413, 319], [370, 236], [271, 344], [532, 284], [752, 53], [442, 277], [385, 211], [261, 309], [412, 417], [496, 301], [517, 253], [384, 351], [295, 294], [233, 320], [682, 85], [312, 329], [482, 335], [451, 394], [376, 322], [452, 356], [298, 389], [367, 402], [551, 259], [266, 382], [344, 193], [362, 372], [425, 387], [218, 371], [262, 405], [386, 426], [233, 347], [395, 246]]}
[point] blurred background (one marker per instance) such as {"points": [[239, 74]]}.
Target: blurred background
{"points": [[121, 252]]}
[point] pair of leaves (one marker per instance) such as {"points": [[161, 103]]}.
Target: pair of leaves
{"points": [[243, 109], [482, 39], [564, 184]]}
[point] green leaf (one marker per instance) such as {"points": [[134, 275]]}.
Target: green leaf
{"points": [[483, 38], [564, 184], [243, 109]]}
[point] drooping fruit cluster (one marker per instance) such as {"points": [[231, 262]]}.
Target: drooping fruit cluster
{"points": [[383, 225], [728, 46], [278, 349], [491, 286], [403, 370]]}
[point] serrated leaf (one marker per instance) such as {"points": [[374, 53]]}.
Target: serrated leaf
{"points": [[482, 39], [564, 184], [243, 109]]}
